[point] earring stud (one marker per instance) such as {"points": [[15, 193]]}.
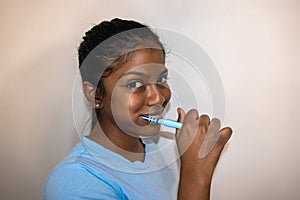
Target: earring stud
{"points": [[97, 105]]}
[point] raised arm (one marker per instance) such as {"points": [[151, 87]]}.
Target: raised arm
{"points": [[196, 174]]}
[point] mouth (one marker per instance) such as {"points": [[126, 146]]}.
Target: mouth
{"points": [[156, 115]]}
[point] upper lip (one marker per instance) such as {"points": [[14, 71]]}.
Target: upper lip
{"points": [[156, 111], [153, 113]]}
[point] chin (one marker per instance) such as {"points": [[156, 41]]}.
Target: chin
{"points": [[149, 131]]}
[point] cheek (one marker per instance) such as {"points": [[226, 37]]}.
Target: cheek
{"points": [[136, 102], [120, 103], [167, 94], [127, 105]]}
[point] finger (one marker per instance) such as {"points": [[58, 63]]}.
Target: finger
{"points": [[225, 135], [186, 135], [191, 116], [190, 124], [181, 115], [204, 121], [214, 125], [215, 153], [211, 137]]}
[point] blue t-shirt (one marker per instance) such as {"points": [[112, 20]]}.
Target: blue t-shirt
{"points": [[92, 172]]}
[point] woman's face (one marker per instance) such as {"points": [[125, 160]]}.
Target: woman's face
{"points": [[138, 87]]}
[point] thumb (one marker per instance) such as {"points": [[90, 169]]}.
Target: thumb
{"points": [[181, 115]]}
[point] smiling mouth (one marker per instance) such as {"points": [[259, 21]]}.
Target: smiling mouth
{"points": [[154, 115], [157, 115], [155, 111]]}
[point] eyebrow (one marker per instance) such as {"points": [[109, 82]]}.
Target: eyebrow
{"points": [[140, 73]]}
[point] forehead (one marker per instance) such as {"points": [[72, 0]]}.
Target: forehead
{"points": [[147, 60], [144, 56]]}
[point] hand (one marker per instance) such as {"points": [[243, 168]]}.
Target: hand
{"points": [[196, 174]]}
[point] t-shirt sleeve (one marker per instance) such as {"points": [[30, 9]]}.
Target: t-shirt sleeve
{"points": [[74, 182]]}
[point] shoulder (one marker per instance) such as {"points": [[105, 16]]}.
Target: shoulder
{"points": [[75, 181]]}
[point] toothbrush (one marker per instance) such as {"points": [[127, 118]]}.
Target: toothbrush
{"points": [[166, 122]]}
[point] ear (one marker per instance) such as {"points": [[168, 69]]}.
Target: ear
{"points": [[90, 92]]}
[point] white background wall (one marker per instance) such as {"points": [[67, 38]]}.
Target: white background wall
{"points": [[254, 44]]}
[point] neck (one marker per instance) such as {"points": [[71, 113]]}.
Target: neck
{"points": [[119, 142]]}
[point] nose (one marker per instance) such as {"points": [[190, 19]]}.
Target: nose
{"points": [[155, 95]]}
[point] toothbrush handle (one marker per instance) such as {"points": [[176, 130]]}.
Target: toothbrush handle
{"points": [[169, 123]]}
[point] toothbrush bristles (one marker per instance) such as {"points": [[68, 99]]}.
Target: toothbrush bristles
{"points": [[150, 119]]}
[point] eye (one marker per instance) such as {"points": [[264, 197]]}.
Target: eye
{"points": [[135, 84], [162, 80]]}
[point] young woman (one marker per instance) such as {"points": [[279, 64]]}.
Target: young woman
{"points": [[122, 64]]}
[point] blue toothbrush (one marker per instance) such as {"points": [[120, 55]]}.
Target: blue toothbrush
{"points": [[166, 122]]}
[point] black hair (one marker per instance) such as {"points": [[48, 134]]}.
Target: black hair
{"points": [[108, 45]]}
